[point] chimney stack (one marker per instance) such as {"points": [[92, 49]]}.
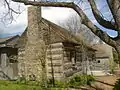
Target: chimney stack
{"points": [[34, 17], [32, 63]]}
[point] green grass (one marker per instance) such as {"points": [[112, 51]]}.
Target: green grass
{"points": [[19, 87], [12, 85], [25, 87], [58, 89], [74, 81]]}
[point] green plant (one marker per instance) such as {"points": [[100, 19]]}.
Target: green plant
{"points": [[58, 83], [79, 80], [117, 85], [14, 85], [21, 80], [112, 66]]}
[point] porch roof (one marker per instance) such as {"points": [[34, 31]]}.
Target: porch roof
{"points": [[7, 42]]}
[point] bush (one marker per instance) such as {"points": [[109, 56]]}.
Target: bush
{"points": [[58, 83], [79, 80], [74, 81], [21, 80], [117, 85]]}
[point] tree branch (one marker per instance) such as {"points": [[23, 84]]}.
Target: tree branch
{"points": [[9, 8], [110, 2], [97, 31], [47, 4], [101, 20]]}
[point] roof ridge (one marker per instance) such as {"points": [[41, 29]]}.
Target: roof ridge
{"points": [[69, 35]]}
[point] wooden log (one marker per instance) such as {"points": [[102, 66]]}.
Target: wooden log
{"points": [[56, 45], [55, 61], [54, 52], [54, 57], [54, 64], [55, 49]]}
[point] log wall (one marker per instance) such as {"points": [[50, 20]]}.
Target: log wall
{"points": [[55, 53], [72, 58]]}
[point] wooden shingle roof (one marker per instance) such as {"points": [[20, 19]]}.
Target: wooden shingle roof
{"points": [[66, 35], [63, 33]]}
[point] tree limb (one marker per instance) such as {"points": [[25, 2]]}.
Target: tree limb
{"points": [[9, 8], [101, 20], [97, 31], [110, 2]]}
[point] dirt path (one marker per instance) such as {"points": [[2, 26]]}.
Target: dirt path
{"points": [[106, 79], [100, 86]]}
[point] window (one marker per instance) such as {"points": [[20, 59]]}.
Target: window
{"points": [[73, 57]]}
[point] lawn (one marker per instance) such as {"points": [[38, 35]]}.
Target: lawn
{"points": [[19, 87], [25, 87], [72, 82], [12, 85]]}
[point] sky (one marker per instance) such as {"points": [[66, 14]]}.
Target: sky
{"points": [[53, 14]]}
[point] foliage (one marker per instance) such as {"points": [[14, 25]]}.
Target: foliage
{"points": [[58, 83], [117, 85], [74, 81], [115, 56], [78, 80], [23, 84], [21, 80], [112, 66]]}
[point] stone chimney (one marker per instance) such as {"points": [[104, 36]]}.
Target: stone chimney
{"points": [[32, 61], [34, 17]]}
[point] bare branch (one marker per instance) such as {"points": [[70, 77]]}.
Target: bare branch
{"points": [[110, 7], [114, 6], [10, 9], [8, 15], [107, 24]]}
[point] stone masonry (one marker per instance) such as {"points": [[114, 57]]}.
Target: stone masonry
{"points": [[32, 46]]}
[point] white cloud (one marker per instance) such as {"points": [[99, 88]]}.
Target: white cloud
{"points": [[55, 13]]}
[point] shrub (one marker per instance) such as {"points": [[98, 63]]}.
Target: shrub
{"points": [[82, 79], [58, 83], [117, 85], [74, 81], [21, 80]]}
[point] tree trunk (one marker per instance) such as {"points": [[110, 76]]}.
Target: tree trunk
{"points": [[118, 51], [116, 13], [44, 77]]}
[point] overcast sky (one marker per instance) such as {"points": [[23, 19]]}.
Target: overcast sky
{"points": [[53, 14]]}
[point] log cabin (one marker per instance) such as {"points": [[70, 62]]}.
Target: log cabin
{"points": [[62, 52]]}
